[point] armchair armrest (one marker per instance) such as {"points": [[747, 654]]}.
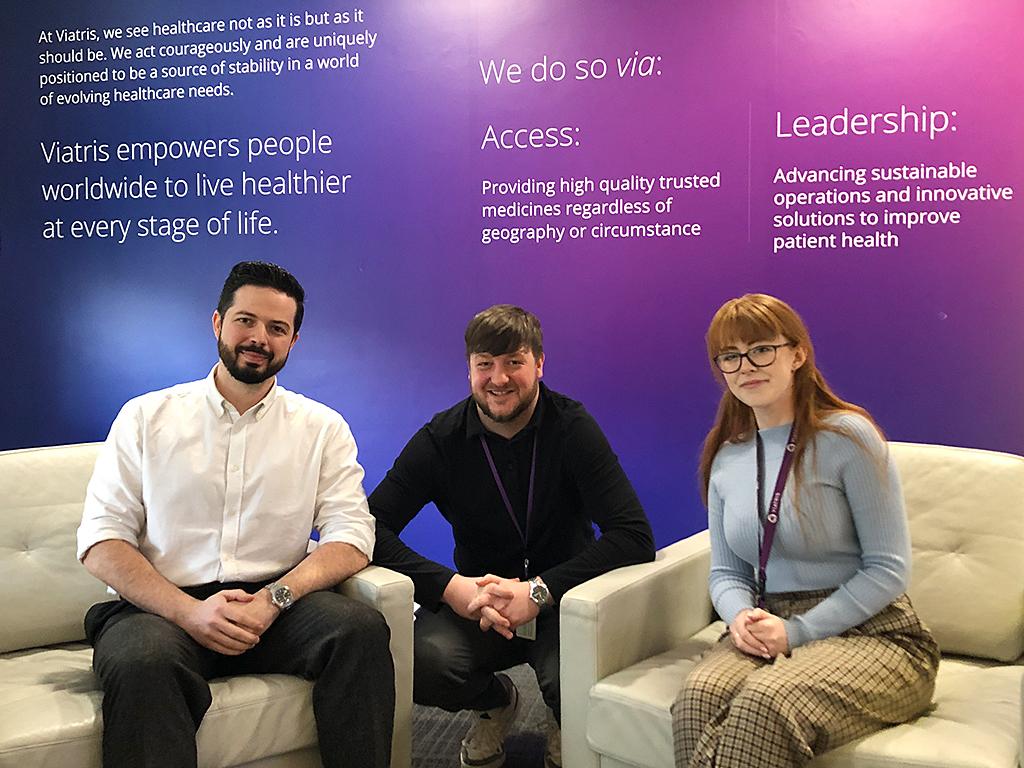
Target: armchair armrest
{"points": [[391, 594], [622, 617]]}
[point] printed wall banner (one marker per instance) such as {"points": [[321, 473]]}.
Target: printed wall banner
{"points": [[620, 169]]}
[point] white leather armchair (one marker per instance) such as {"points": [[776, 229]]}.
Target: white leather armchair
{"points": [[49, 700], [629, 637]]}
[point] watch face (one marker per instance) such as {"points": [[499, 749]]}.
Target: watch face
{"points": [[539, 594], [281, 596]]}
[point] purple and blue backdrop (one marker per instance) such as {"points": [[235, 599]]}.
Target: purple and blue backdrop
{"points": [[925, 332]]}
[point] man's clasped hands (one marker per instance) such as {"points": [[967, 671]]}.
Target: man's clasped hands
{"points": [[499, 604]]}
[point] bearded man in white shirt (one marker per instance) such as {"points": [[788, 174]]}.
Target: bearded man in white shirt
{"points": [[199, 515]]}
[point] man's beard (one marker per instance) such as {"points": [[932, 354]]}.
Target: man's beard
{"points": [[515, 413], [242, 371]]}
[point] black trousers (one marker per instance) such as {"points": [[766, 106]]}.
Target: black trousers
{"points": [[155, 693], [455, 662]]}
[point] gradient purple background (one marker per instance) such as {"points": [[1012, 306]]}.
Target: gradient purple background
{"points": [[928, 336]]}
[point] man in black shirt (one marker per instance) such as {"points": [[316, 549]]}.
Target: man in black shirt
{"points": [[521, 473]]}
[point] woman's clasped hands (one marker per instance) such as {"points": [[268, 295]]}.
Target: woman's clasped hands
{"points": [[757, 632]]}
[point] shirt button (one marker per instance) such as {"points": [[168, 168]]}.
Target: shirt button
{"points": [[234, 467]]}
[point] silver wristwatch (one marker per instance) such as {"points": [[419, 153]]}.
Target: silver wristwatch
{"points": [[539, 592], [280, 595]]}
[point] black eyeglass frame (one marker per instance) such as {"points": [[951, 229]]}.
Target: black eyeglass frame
{"points": [[740, 355]]}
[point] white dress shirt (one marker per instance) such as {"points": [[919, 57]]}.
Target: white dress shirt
{"points": [[208, 495]]}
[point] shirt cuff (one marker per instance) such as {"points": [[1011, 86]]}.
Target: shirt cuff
{"points": [[363, 540], [795, 634], [88, 539], [731, 604]]}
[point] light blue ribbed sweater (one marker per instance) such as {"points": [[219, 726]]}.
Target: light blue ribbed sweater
{"points": [[854, 537]]}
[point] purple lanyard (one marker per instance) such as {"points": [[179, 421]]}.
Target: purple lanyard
{"points": [[508, 504], [769, 521]]}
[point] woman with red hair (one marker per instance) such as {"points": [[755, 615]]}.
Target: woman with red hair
{"points": [[810, 560]]}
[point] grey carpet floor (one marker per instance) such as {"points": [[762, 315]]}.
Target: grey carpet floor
{"points": [[436, 734]]}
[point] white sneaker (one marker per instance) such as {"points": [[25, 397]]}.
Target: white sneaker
{"points": [[553, 754], [484, 745]]}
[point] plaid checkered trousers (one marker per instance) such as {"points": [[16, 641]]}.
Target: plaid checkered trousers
{"points": [[740, 711]]}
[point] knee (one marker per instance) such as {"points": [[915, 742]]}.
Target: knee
{"points": [[135, 670], [702, 691], [432, 654], [342, 632], [782, 713], [368, 625], [140, 657], [352, 621], [765, 702]]}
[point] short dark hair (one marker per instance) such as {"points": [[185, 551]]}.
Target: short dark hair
{"points": [[502, 329], [265, 275]]}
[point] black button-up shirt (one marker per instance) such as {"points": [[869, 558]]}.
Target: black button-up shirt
{"points": [[579, 482]]}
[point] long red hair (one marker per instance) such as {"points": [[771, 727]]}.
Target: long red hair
{"points": [[759, 317]]}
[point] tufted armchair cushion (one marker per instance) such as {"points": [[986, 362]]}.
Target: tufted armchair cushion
{"points": [[966, 512]]}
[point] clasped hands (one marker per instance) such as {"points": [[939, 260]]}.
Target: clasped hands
{"points": [[759, 633], [230, 621], [497, 603]]}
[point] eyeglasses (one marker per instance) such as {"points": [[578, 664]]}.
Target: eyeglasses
{"points": [[760, 356]]}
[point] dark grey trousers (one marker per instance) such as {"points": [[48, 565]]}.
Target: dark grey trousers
{"points": [[455, 662], [154, 677]]}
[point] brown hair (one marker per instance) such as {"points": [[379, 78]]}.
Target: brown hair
{"points": [[759, 317], [502, 329], [263, 274]]}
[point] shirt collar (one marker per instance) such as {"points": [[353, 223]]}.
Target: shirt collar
{"points": [[221, 406]]}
